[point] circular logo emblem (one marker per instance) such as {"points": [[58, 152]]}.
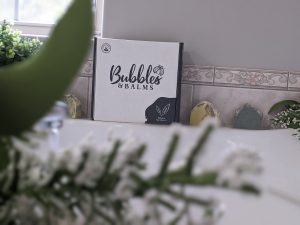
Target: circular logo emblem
{"points": [[106, 48]]}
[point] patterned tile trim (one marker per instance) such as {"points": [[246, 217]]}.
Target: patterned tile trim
{"points": [[87, 69], [242, 78], [294, 81], [195, 74], [251, 78]]}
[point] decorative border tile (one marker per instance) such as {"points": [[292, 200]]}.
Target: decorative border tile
{"points": [[294, 81], [193, 73], [251, 78], [87, 69], [241, 78]]}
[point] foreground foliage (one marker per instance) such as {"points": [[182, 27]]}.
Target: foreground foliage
{"points": [[108, 185]]}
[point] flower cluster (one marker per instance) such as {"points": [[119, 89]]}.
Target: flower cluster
{"points": [[106, 184], [14, 47], [70, 182], [239, 168], [288, 118]]}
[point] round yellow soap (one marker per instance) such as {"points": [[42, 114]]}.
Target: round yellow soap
{"points": [[201, 111]]}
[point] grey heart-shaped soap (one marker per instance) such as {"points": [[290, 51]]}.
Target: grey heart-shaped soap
{"points": [[248, 118]]}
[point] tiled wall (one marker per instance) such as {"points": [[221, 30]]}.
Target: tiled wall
{"points": [[82, 86], [227, 88]]}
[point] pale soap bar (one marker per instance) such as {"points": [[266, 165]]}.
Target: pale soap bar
{"points": [[74, 106], [201, 111]]}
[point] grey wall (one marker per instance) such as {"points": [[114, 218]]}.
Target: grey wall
{"points": [[262, 34]]}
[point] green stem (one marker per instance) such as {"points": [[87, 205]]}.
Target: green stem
{"points": [[168, 157], [189, 199], [197, 150], [104, 216], [110, 162]]}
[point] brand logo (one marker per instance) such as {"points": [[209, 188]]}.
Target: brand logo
{"points": [[106, 48], [163, 111], [137, 78]]}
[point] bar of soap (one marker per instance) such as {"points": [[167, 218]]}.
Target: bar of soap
{"points": [[248, 118], [74, 106], [201, 111]]}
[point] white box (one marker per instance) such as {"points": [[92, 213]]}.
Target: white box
{"points": [[137, 81]]}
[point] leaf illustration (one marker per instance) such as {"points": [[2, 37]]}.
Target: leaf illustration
{"points": [[158, 110], [166, 109], [156, 69], [159, 70], [282, 105]]}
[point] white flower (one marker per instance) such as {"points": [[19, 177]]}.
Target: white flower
{"points": [[64, 180], [69, 160], [149, 196], [92, 170], [127, 152], [34, 174], [125, 188], [216, 211], [175, 165], [38, 212], [239, 167]]}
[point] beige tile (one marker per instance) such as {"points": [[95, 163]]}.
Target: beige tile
{"points": [[251, 78], [87, 66], [80, 88], [193, 73], [228, 99], [294, 81], [186, 103], [90, 97], [91, 52]]}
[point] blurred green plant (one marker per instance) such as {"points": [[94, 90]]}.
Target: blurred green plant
{"points": [[29, 89], [14, 47], [107, 185]]}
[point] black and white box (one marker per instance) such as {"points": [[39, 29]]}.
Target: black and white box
{"points": [[137, 81]]}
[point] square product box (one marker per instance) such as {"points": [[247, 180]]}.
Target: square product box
{"points": [[137, 81]]}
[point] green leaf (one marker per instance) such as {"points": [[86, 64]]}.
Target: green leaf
{"points": [[188, 199], [178, 217], [4, 159], [205, 179], [198, 148], [109, 163], [251, 189], [168, 157], [29, 89], [167, 204], [5, 145], [282, 105]]}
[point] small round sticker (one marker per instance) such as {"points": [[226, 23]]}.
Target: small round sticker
{"points": [[106, 48]]}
